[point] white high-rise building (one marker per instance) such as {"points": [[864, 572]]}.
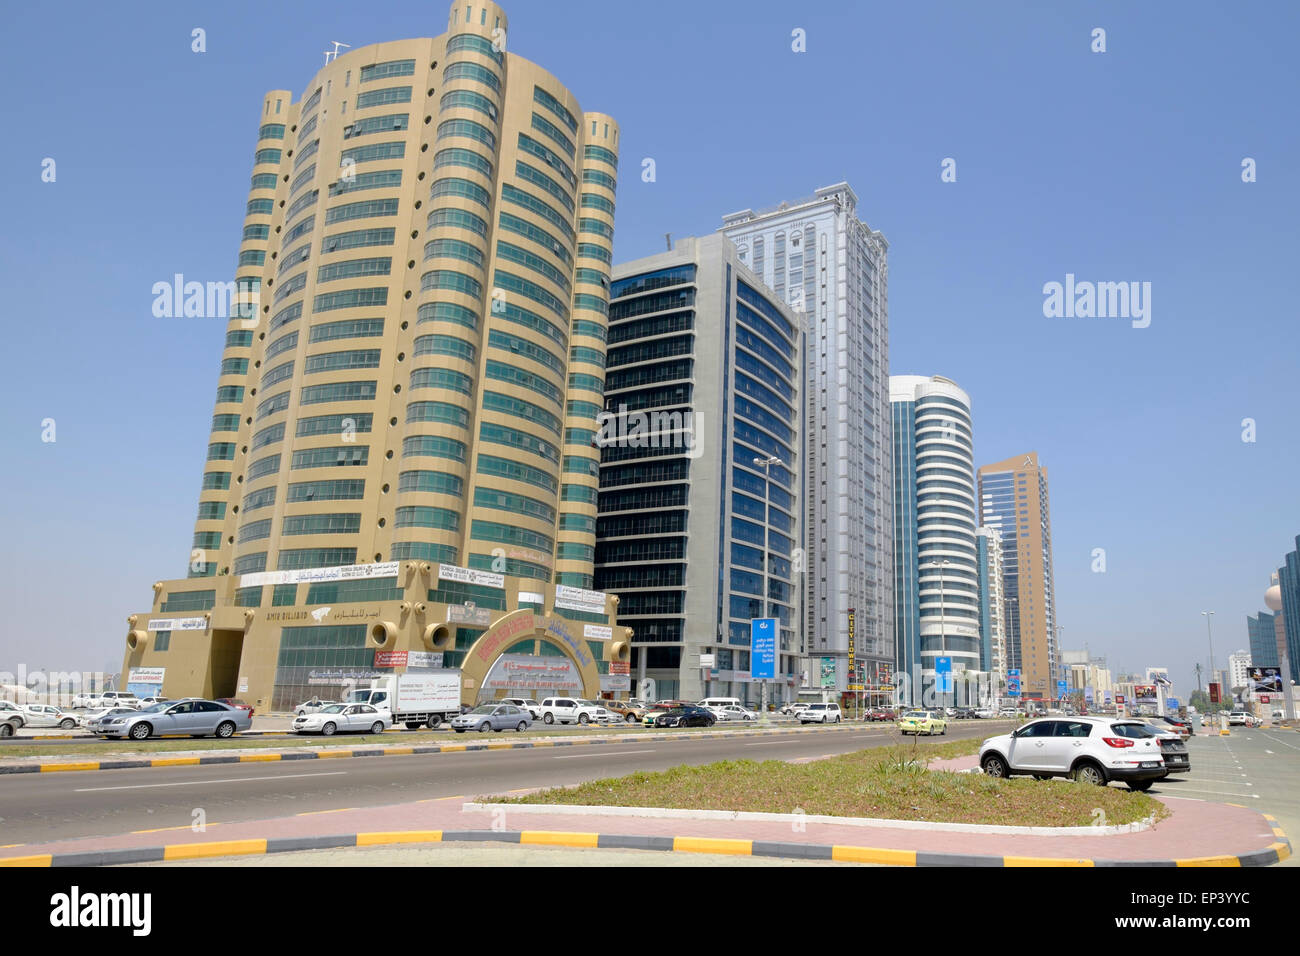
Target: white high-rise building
{"points": [[826, 263], [1237, 665], [995, 597]]}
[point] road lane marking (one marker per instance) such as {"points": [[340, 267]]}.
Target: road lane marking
{"points": [[1225, 793], [607, 753], [195, 783], [1283, 743]]}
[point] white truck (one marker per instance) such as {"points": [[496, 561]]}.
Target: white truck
{"points": [[413, 699]]}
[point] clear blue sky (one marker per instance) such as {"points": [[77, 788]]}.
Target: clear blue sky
{"points": [[1116, 166]]}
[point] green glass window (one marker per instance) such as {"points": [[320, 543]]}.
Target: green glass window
{"points": [[574, 579], [433, 446], [205, 569], [266, 156], [436, 482], [472, 41], [535, 176], [457, 218], [460, 189], [335, 424], [593, 302], [443, 345], [531, 320], [379, 71], [600, 153], [346, 329], [274, 404], [578, 493], [263, 181], [453, 249], [423, 516], [377, 124], [600, 179], [216, 480], [425, 551], [516, 568], [468, 129], [334, 361], [250, 563], [248, 597], [517, 376], [239, 338], [440, 378], [537, 235], [514, 437], [447, 312], [507, 468], [350, 592], [190, 601], [162, 640], [262, 498], [367, 209], [353, 268], [316, 558], [332, 457], [552, 132], [518, 408], [234, 366], [352, 298], [251, 257], [589, 382], [573, 551], [358, 238], [437, 412], [592, 201], [221, 451], [468, 99], [302, 179], [597, 227], [212, 510], [384, 97], [513, 253], [260, 207], [556, 107], [257, 230], [458, 592], [289, 313], [593, 250], [471, 71], [531, 290], [518, 504], [225, 423], [580, 465], [271, 131], [587, 327], [268, 435], [277, 374], [255, 530], [513, 194], [285, 343], [263, 467], [321, 524], [575, 522], [549, 156], [580, 354], [207, 540], [340, 489], [338, 392], [284, 595], [579, 409], [379, 179]]}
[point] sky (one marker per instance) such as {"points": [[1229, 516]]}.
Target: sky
{"points": [[1115, 166]]}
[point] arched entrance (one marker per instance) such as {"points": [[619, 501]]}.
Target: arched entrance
{"points": [[532, 655]]}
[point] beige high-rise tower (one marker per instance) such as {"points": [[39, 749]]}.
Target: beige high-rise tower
{"points": [[1014, 505], [405, 416]]}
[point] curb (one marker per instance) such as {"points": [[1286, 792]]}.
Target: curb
{"points": [[260, 756], [670, 813], [1275, 852]]}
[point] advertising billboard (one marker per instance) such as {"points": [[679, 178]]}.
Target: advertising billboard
{"points": [[1144, 694], [1264, 680], [762, 646]]}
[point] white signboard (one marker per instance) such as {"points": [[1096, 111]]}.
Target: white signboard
{"points": [[177, 624], [706, 660], [345, 572], [450, 572], [243, 686], [532, 597], [533, 673], [579, 599], [468, 614], [431, 659], [597, 632], [613, 682], [146, 675]]}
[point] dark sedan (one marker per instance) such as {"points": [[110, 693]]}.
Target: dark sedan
{"points": [[688, 716]]}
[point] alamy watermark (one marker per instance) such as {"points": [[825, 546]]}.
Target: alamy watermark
{"points": [[1102, 300], [655, 429]]}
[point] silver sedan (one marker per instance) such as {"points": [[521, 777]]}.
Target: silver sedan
{"points": [[496, 717], [194, 718]]}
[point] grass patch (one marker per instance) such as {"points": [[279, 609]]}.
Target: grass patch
{"points": [[887, 782]]}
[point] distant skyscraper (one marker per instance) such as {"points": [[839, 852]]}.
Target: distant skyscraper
{"points": [[1014, 503], [1262, 632], [1289, 581], [992, 607], [697, 538], [936, 564], [1237, 665], [828, 264]]}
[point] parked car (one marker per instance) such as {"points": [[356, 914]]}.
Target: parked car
{"points": [[236, 703], [1173, 746], [10, 724], [92, 720], [985, 713], [43, 715], [792, 709], [343, 718], [150, 701], [880, 714], [963, 713], [600, 713], [496, 717], [687, 715], [83, 700], [567, 710], [821, 714], [193, 716], [1177, 725], [116, 698], [661, 707], [1092, 750], [1008, 712], [312, 705], [917, 722], [524, 703], [625, 709], [734, 712], [9, 709]]}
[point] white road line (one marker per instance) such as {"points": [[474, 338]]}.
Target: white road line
{"points": [[1283, 743], [1268, 751], [197, 783], [1177, 790], [607, 753]]}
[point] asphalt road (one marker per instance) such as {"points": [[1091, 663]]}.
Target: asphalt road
{"points": [[43, 807]]}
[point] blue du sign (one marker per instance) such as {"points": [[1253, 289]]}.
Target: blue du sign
{"points": [[762, 648]]}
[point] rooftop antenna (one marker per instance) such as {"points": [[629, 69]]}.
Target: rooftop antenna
{"points": [[334, 54]]}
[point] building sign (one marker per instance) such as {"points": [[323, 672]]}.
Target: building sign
{"points": [[1144, 694], [1264, 680], [532, 597], [613, 682], [346, 572], [943, 675], [423, 659], [450, 572], [620, 667], [468, 613], [243, 686], [339, 676], [146, 675], [1060, 689], [1013, 685], [597, 632], [852, 648], [579, 599], [706, 660], [177, 624], [1119, 698], [533, 673], [762, 647], [1215, 694], [828, 672], [390, 658]]}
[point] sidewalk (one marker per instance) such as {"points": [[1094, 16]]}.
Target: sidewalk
{"points": [[1197, 834]]}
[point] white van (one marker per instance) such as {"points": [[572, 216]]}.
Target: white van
{"points": [[716, 703]]}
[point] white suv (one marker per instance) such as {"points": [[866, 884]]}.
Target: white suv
{"points": [[568, 710], [1093, 750], [820, 714], [525, 703]]}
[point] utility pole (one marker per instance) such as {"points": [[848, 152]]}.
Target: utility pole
{"points": [[1198, 677]]}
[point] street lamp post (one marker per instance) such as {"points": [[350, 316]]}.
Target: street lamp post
{"points": [[940, 563], [1209, 615], [766, 464]]}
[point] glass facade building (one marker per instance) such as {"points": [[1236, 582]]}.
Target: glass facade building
{"points": [[704, 376], [1263, 640]]}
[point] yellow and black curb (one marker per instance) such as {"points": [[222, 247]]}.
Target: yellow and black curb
{"points": [[263, 756], [1277, 851]]}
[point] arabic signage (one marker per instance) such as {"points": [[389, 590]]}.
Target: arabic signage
{"points": [[346, 572], [533, 673], [177, 624], [340, 676], [468, 613], [762, 644], [579, 599], [390, 658], [612, 682], [450, 572], [146, 675], [425, 659], [597, 632], [620, 667]]}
